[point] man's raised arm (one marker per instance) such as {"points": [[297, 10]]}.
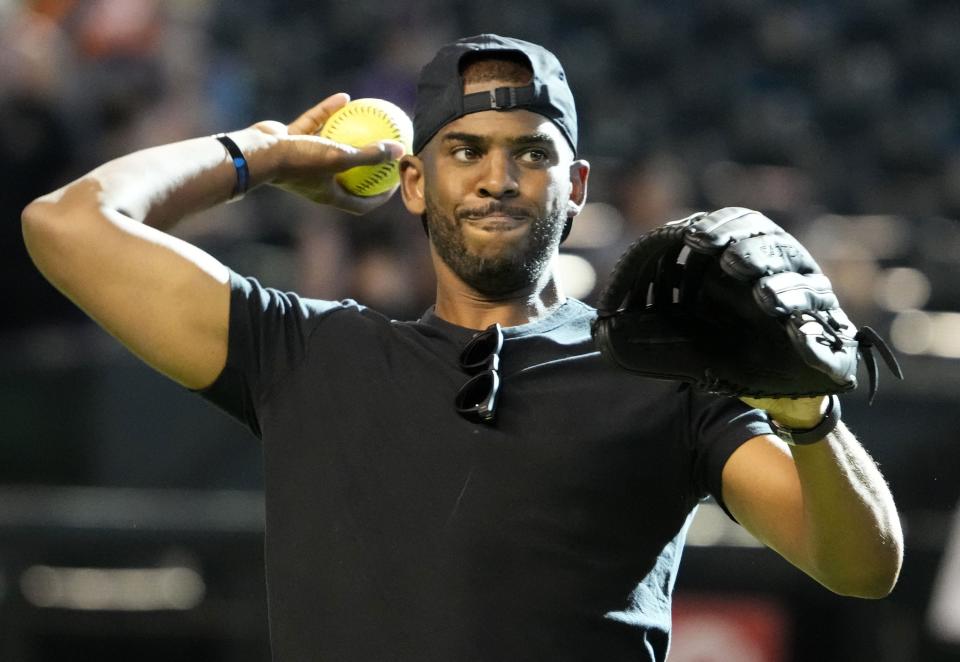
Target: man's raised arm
{"points": [[100, 239]]}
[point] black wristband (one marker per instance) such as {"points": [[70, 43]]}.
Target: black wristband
{"points": [[812, 435], [239, 164]]}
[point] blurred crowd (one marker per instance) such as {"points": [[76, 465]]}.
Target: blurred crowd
{"points": [[839, 119]]}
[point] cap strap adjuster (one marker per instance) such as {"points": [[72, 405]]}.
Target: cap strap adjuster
{"points": [[501, 98]]}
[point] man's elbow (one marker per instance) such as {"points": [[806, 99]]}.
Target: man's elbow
{"points": [[42, 218], [41, 230], [61, 212], [871, 588], [871, 580], [51, 226], [34, 218], [36, 223]]}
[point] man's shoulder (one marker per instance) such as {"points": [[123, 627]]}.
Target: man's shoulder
{"points": [[282, 301]]}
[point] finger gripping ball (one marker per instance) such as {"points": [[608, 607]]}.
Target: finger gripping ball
{"points": [[364, 121]]}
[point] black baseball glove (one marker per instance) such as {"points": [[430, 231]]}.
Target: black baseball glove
{"points": [[730, 302]]}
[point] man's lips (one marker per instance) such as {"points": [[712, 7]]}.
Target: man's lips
{"points": [[496, 222], [496, 219]]}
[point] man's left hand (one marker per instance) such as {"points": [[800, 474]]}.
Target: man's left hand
{"points": [[798, 413]]}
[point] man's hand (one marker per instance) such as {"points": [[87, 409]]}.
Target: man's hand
{"points": [[308, 163], [799, 413]]}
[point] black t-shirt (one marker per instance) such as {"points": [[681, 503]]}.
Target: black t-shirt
{"points": [[398, 530]]}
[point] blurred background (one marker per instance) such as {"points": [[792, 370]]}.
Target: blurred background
{"points": [[131, 516]]}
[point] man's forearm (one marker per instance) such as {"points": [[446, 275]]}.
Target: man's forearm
{"points": [[853, 530], [161, 185]]}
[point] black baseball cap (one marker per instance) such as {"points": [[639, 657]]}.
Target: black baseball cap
{"points": [[440, 97]]}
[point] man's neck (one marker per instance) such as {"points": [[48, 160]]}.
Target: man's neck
{"points": [[460, 304]]}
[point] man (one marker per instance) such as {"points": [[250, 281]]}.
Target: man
{"points": [[475, 485]]}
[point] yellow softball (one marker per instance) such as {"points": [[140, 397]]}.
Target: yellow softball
{"points": [[360, 123]]}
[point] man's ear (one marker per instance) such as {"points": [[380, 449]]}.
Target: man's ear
{"points": [[579, 174], [411, 184]]}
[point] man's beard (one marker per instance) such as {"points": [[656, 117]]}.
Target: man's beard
{"points": [[499, 275]]}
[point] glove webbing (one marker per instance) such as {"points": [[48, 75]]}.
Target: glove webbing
{"points": [[636, 266]]}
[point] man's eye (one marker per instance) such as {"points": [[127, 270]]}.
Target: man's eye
{"points": [[534, 156], [465, 154]]}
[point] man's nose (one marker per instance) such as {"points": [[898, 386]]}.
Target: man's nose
{"points": [[499, 179]]}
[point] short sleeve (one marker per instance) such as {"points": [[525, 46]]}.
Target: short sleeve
{"points": [[718, 427], [268, 338]]}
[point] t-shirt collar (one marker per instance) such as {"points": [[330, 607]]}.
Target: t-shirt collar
{"points": [[566, 311]]}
